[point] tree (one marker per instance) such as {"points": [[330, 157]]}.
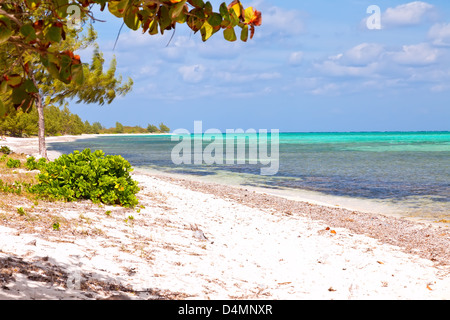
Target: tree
{"points": [[96, 127], [119, 128], [39, 28], [152, 128], [98, 86], [34, 35], [163, 128]]}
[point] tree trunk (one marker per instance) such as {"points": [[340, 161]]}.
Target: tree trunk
{"points": [[41, 132], [41, 123]]}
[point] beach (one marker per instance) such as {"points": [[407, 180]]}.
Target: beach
{"points": [[196, 240]]}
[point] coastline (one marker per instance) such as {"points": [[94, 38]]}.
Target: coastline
{"points": [[198, 240]]}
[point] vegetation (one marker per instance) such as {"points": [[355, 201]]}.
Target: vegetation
{"points": [[13, 163], [80, 175], [32, 164], [5, 150], [88, 175], [60, 121], [38, 35], [39, 67]]}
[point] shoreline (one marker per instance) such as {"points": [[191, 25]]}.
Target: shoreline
{"points": [[200, 240]]}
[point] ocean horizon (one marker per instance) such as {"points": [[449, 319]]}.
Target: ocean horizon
{"points": [[408, 172]]}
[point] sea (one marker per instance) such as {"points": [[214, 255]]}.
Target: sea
{"points": [[396, 173]]}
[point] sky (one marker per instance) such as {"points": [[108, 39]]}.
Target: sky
{"points": [[313, 66]]}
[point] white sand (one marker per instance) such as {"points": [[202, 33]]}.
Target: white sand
{"points": [[249, 253]]}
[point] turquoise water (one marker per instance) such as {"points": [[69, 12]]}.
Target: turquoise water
{"points": [[411, 169]]}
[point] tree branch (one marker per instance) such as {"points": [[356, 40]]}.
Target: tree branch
{"points": [[11, 17]]}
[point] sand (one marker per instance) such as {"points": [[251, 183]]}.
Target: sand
{"points": [[194, 240]]}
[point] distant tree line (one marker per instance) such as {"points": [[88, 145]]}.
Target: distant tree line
{"points": [[60, 121]]}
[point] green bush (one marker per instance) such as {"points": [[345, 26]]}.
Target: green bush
{"points": [[32, 164], [12, 163], [5, 150], [87, 175]]}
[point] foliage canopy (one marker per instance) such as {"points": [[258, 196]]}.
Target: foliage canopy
{"points": [[30, 28]]}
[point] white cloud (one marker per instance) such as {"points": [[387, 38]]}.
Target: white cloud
{"points": [[336, 69], [362, 60], [283, 20], [296, 58], [440, 34], [363, 54], [192, 74], [412, 13], [416, 55], [239, 77], [279, 21]]}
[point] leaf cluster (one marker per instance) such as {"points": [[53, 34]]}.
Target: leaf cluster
{"points": [[88, 175], [37, 30], [13, 163], [58, 121], [32, 164], [5, 150]]}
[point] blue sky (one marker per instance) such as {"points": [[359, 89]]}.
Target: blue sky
{"points": [[312, 66]]}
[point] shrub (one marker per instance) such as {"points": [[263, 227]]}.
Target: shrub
{"points": [[32, 164], [12, 163], [5, 150], [87, 175], [12, 188]]}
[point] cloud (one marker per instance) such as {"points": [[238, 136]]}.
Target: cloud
{"points": [[363, 54], [416, 55], [192, 74], [362, 60], [409, 14], [279, 21], [440, 34], [375, 66], [296, 58]]}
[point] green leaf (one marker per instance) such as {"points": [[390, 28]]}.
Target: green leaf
{"points": [[244, 33], [118, 8], [5, 29], [215, 19], [177, 10], [229, 34], [164, 18], [29, 86], [3, 109], [197, 3], [61, 8], [14, 80], [53, 70], [153, 27], [3, 87], [32, 4], [53, 34], [206, 31], [66, 61], [78, 74], [196, 19], [208, 8], [28, 32], [131, 19], [224, 10], [19, 95]]}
